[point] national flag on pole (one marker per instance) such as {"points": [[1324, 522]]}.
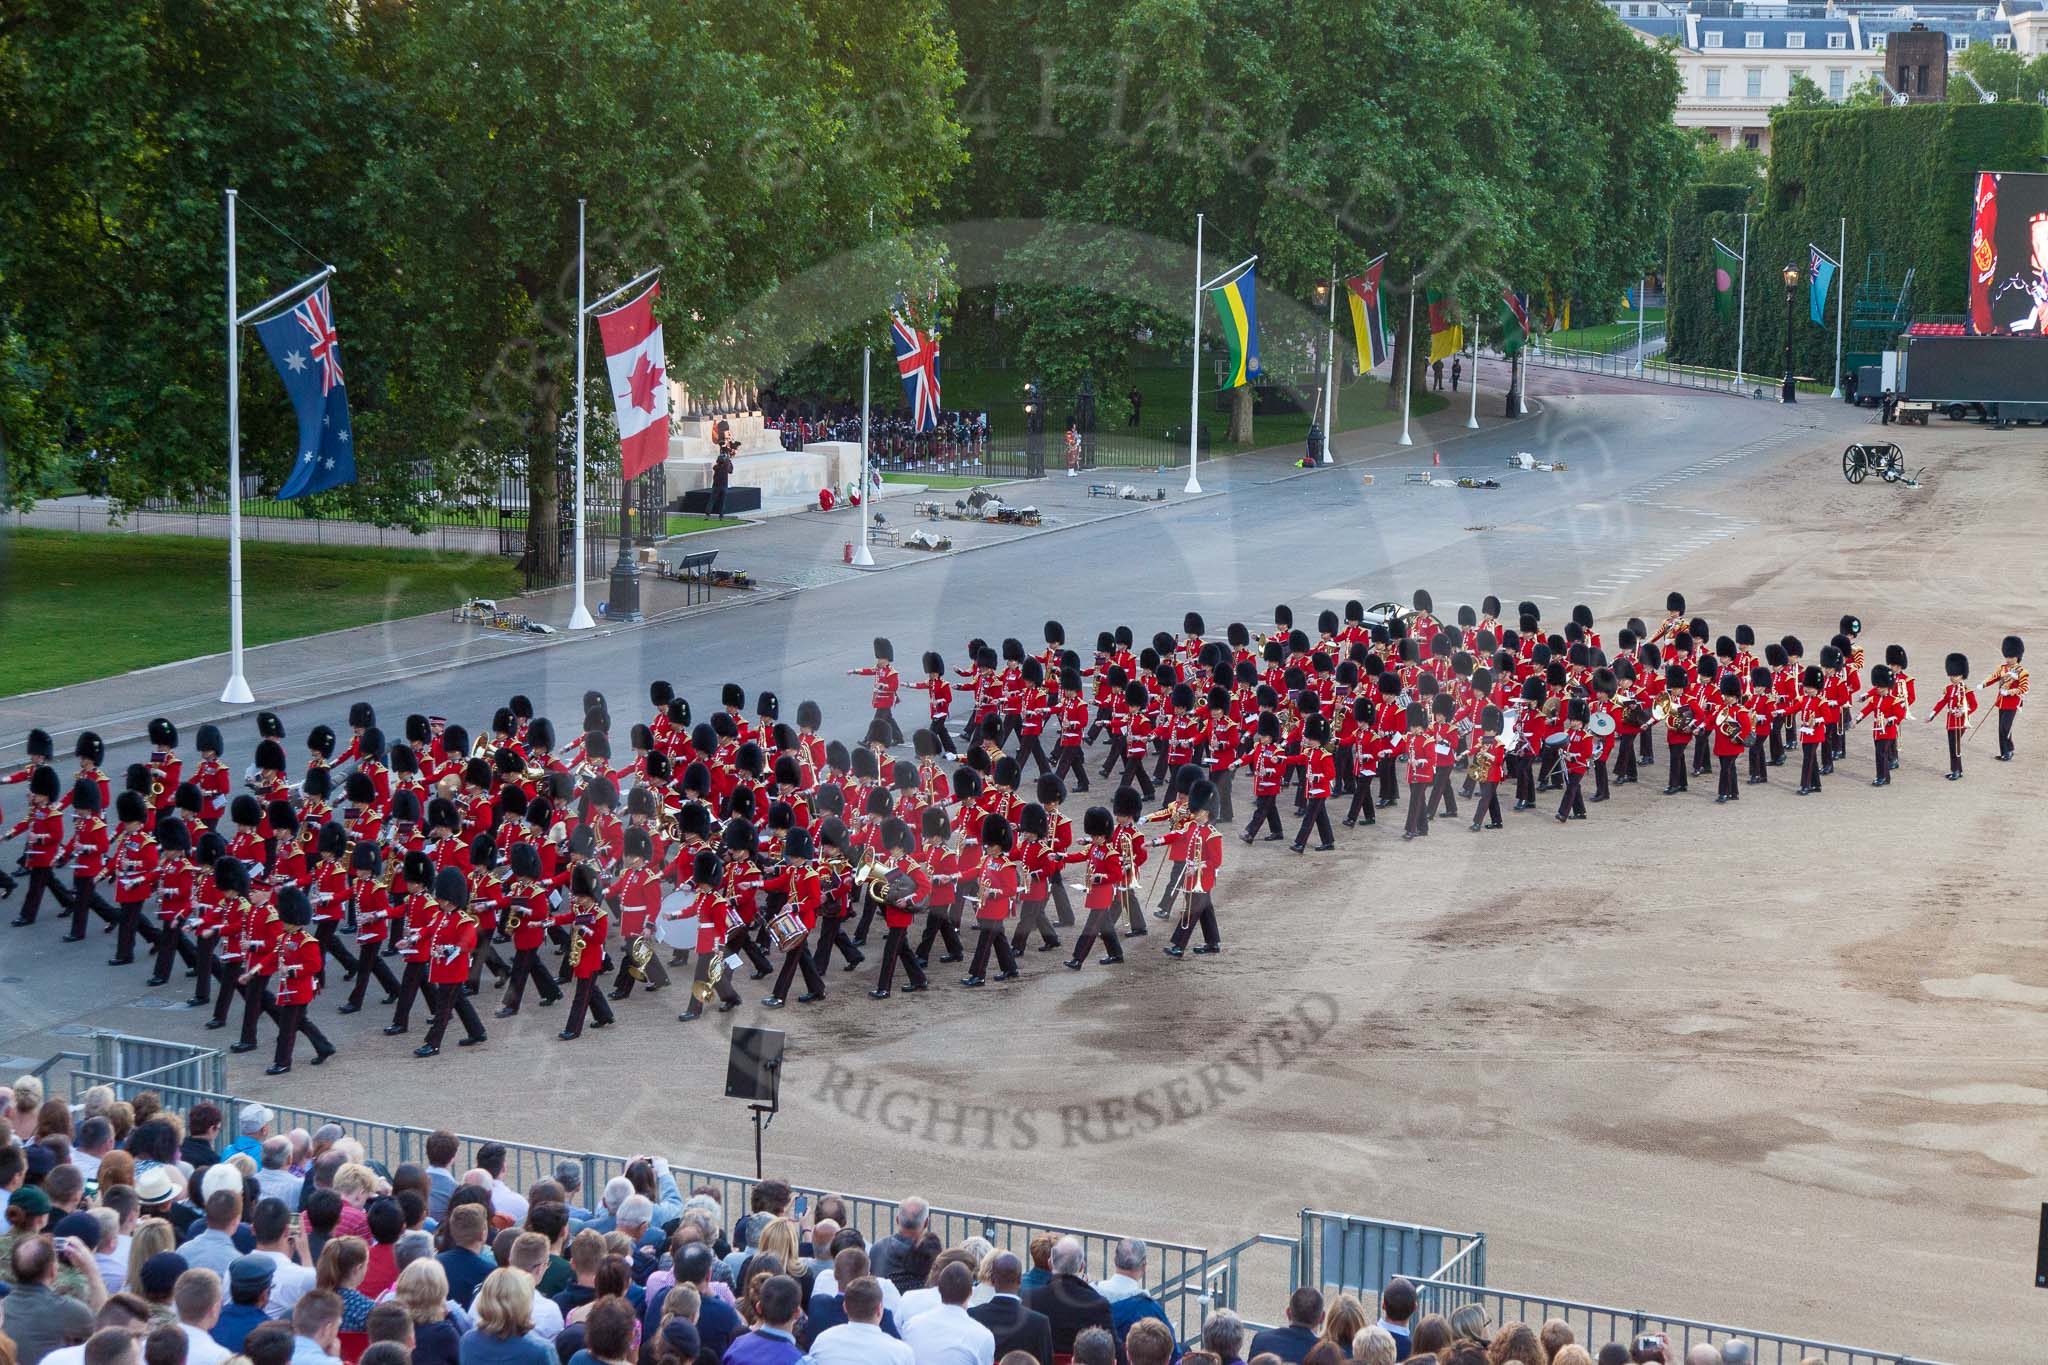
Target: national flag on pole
{"points": [[303, 346], [1823, 274], [638, 368], [1727, 263], [1446, 338], [1367, 319], [1237, 305], [1514, 322], [917, 356]]}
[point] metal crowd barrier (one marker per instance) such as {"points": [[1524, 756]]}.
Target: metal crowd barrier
{"points": [[1595, 1325]]}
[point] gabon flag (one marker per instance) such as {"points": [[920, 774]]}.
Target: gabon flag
{"points": [[1362, 292], [638, 369]]}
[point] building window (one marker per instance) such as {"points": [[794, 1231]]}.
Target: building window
{"points": [[1962, 41], [1838, 81], [2003, 42], [1713, 38], [1753, 82], [1838, 41], [1795, 40], [1791, 75], [1713, 82], [1750, 140], [1752, 40], [1877, 42]]}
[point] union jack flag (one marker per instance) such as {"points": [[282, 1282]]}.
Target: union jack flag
{"points": [[917, 356], [317, 318]]}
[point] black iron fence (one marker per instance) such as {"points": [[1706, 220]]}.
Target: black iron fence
{"points": [[1025, 439]]}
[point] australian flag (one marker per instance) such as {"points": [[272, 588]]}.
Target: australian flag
{"points": [[303, 346]]}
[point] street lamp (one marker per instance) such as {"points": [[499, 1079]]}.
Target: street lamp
{"points": [[1791, 289]]}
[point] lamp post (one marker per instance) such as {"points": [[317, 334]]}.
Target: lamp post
{"points": [[1791, 289]]}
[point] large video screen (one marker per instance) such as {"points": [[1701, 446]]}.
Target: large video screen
{"points": [[2009, 255]]}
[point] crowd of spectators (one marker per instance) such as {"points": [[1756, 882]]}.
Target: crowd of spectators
{"points": [[138, 1236]]}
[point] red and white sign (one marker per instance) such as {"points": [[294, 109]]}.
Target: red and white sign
{"points": [[639, 376]]}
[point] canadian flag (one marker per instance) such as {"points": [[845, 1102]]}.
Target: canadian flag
{"points": [[639, 375]]}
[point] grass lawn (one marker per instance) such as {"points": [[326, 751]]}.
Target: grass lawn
{"points": [[1606, 336], [75, 606], [1164, 406], [679, 523], [947, 481]]}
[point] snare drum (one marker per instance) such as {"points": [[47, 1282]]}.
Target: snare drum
{"points": [[787, 930]]}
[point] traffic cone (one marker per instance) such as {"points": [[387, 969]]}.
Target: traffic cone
{"points": [[1436, 457]]}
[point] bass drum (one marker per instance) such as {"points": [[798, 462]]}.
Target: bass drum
{"points": [[676, 927]]}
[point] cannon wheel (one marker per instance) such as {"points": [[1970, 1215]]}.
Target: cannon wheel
{"points": [[1854, 466]]}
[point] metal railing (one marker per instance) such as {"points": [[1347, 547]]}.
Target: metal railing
{"points": [[1173, 1269], [1596, 1324], [1345, 1253]]}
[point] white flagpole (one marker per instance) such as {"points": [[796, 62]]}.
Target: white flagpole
{"points": [[863, 557], [1330, 376], [237, 691], [1841, 259], [1194, 484], [1472, 379], [1408, 368], [579, 617], [1742, 302], [1642, 310]]}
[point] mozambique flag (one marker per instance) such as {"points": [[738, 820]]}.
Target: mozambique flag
{"points": [[1446, 338], [1367, 321], [1514, 322], [1236, 305], [1726, 264]]}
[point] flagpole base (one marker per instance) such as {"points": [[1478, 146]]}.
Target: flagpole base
{"points": [[1406, 439], [1194, 485], [1327, 457], [580, 619], [1472, 424], [1836, 392], [237, 692], [863, 558]]}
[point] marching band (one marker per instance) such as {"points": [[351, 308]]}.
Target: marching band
{"points": [[754, 843]]}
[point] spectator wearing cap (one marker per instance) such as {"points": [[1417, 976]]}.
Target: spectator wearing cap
{"points": [[214, 1248], [248, 1280], [157, 1190], [678, 1343], [196, 1298], [253, 1124], [88, 1231], [156, 1279], [28, 1215], [1292, 1342], [39, 1318]]}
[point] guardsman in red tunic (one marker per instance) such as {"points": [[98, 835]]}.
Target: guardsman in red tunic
{"points": [[1034, 708], [1174, 839], [1487, 762], [1038, 868], [1129, 842], [1267, 762], [1957, 703], [487, 902], [1904, 684], [1884, 706], [943, 875], [887, 681], [1137, 738], [327, 893], [260, 931], [717, 919], [177, 882], [1810, 723], [899, 885], [1198, 884], [1731, 735], [44, 826], [133, 865], [526, 917], [220, 898], [166, 769], [1318, 780], [369, 889], [1418, 749], [803, 890], [1762, 702], [2010, 680], [416, 916], [1575, 756], [86, 852], [1002, 876], [1105, 878], [451, 941], [939, 696], [637, 894], [295, 964]]}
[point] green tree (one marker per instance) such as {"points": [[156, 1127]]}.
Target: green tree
{"points": [[1803, 94], [1715, 163], [1867, 94]]}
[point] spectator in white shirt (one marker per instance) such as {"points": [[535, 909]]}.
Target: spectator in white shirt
{"points": [[275, 1179], [196, 1299], [117, 1213], [826, 1281], [278, 1241], [95, 1140], [926, 1297], [946, 1335], [504, 1199], [860, 1340]]}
